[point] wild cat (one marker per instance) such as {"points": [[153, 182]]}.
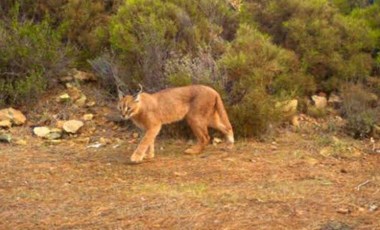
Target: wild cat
{"points": [[201, 106]]}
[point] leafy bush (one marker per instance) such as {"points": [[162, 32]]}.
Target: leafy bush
{"points": [[153, 37], [86, 23], [332, 48], [33, 9], [256, 72], [82, 23], [31, 54], [371, 15], [347, 6]]}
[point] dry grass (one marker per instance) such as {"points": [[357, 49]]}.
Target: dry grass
{"points": [[257, 186]]}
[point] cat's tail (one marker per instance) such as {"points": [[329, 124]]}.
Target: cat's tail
{"points": [[225, 125]]}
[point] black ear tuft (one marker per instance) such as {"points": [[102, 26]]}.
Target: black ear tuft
{"points": [[120, 93]]}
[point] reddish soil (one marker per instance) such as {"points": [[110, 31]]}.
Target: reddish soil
{"points": [[302, 179]]}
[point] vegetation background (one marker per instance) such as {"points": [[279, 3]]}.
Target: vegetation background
{"points": [[254, 52]]}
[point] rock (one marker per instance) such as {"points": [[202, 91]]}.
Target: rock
{"points": [[320, 102], [13, 115], [104, 141], [114, 117], [4, 115], [5, 124], [54, 134], [69, 85], [88, 117], [81, 102], [83, 76], [59, 124], [295, 121], [48, 133], [74, 93], [7, 138], [72, 126], [90, 103], [41, 131], [18, 117], [373, 207], [334, 100], [64, 98], [20, 142]]}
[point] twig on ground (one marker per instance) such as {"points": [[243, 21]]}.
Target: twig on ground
{"points": [[362, 184]]}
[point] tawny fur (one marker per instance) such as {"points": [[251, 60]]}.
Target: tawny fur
{"points": [[199, 105]]}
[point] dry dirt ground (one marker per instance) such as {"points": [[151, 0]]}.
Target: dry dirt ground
{"points": [[284, 185], [309, 178]]}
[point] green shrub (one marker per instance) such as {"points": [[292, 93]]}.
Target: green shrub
{"points": [[31, 55], [33, 9], [371, 15], [331, 47], [347, 6], [156, 38], [258, 74], [86, 23]]}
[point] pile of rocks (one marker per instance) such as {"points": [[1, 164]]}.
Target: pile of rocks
{"points": [[10, 117], [316, 105], [74, 94], [69, 127]]}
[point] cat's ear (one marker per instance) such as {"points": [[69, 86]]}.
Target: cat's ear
{"points": [[138, 96], [120, 94]]}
